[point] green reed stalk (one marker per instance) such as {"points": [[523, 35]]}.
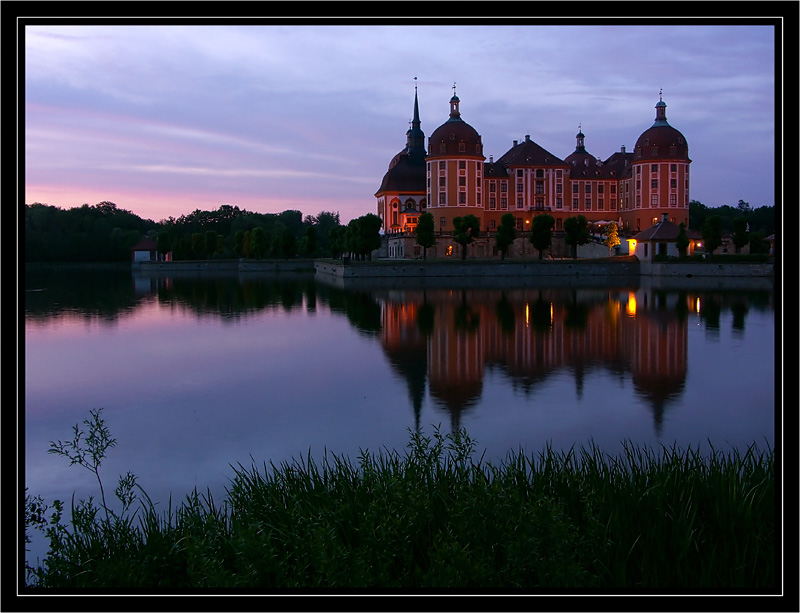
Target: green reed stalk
{"points": [[437, 517]]}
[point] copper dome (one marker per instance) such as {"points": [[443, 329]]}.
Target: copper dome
{"points": [[661, 141], [455, 137]]}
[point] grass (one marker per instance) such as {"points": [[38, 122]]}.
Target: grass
{"points": [[435, 516]]}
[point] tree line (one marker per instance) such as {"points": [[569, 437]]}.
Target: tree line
{"points": [[106, 233]]}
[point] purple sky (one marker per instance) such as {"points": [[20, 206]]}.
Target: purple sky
{"points": [[166, 119]]}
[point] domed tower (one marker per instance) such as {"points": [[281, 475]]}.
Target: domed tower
{"points": [[660, 174], [454, 170], [402, 194]]}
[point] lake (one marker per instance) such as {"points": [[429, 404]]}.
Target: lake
{"points": [[196, 375]]}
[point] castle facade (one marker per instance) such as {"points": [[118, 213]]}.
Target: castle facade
{"points": [[450, 177]]}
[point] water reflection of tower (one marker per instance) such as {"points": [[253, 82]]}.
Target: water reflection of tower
{"points": [[658, 348], [406, 347], [456, 354]]}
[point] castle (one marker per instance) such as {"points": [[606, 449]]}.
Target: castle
{"points": [[451, 178]]}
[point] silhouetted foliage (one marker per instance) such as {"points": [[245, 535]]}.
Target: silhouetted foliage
{"points": [[506, 233], [466, 229], [542, 232], [426, 233]]}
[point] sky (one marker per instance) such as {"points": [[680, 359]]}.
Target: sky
{"points": [[166, 119]]}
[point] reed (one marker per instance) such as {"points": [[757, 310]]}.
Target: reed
{"points": [[437, 516]]}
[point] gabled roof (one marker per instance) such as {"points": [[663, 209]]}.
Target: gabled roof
{"points": [[529, 153], [146, 244], [663, 231]]}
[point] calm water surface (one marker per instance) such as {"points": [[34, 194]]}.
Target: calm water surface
{"points": [[196, 375]]}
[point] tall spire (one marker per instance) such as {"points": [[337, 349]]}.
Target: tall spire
{"points": [[415, 136]]}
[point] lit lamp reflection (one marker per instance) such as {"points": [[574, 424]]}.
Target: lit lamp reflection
{"points": [[630, 308]]}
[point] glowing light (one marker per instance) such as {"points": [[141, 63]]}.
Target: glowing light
{"points": [[630, 308], [697, 305], [527, 314], [631, 245]]}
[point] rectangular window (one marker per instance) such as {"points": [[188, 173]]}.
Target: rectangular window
{"points": [[575, 203], [462, 147], [492, 224], [519, 203], [588, 188], [588, 204], [442, 198], [442, 221], [441, 181], [519, 188], [462, 165], [540, 187], [503, 203], [654, 184], [574, 188], [462, 181], [673, 167], [558, 203], [519, 172], [653, 167], [504, 187], [673, 200], [673, 183], [600, 205], [492, 203], [654, 200], [558, 188], [462, 197]]}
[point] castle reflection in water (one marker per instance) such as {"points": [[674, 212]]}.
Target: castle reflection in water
{"points": [[448, 338]]}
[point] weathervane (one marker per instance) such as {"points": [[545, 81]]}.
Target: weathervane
{"points": [[660, 89], [454, 88]]}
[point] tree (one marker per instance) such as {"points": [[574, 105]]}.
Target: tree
{"points": [[740, 231], [337, 240], [258, 242], [506, 234], [284, 242], [198, 245], [612, 236], [712, 233], [577, 233], [238, 243], [467, 229], [682, 240], [309, 244], [426, 233], [163, 242], [367, 235], [211, 242], [542, 232]]}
